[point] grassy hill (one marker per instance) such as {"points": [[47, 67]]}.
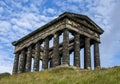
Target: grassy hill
{"points": [[65, 75]]}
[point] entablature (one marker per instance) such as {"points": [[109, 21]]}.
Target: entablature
{"points": [[82, 27]]}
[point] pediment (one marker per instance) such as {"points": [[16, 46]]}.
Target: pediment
{"points": [[84, 20]]}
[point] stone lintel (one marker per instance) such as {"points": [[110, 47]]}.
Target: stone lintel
{"points": [[66, 23], [40, 35], [75, 27]]}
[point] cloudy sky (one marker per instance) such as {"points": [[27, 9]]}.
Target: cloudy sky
{"points": [[20, 17]]}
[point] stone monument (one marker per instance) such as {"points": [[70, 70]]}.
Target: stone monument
{"points": [[85, 32]]}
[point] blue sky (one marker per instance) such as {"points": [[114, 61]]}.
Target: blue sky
{"points": [[20, 17]]}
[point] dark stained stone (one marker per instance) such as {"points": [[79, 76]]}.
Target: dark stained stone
{"points": [[46, 53], [29, 59], [87, 54], [55, 58], [85, 31], [77, 49], [22, 62], [16, 63], [65, 57], [37, 54], [96, 55]]}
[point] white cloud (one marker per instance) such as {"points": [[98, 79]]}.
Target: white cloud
{"points": [[25, 1], [1, 9], [34, 8], [4, 69], [76, 1], [49, 11], [39, 2], [4, 26], [5, 62]]}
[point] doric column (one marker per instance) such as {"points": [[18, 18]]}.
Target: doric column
{"points": [[87, 56], [46, 54], [96, 55], [22, 62], [77, 49], [60, 61], [29, 58], [51, 63], [65, 57], [56, 51], [37, 56], [16, 62]]}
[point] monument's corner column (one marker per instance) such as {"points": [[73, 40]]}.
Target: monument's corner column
{"points": [[96, 55], [22, 62], [16, 63]]}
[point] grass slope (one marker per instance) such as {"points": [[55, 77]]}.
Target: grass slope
{"points": [[66, 75]]}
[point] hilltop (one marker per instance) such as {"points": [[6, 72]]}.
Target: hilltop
{"points": [[66, 75]]}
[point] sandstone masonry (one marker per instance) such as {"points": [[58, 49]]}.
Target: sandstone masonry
{"points": [[85, 33]]}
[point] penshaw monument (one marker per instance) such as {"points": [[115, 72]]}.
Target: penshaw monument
{"points": [[36, 45]]}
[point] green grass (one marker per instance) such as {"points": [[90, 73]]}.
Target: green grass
{"points": [[66, 75]]}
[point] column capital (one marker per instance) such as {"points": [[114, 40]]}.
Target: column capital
{"points": [[59, 33], [56, 35]]}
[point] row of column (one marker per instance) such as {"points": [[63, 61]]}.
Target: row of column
{"points": [[25, 59]]}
